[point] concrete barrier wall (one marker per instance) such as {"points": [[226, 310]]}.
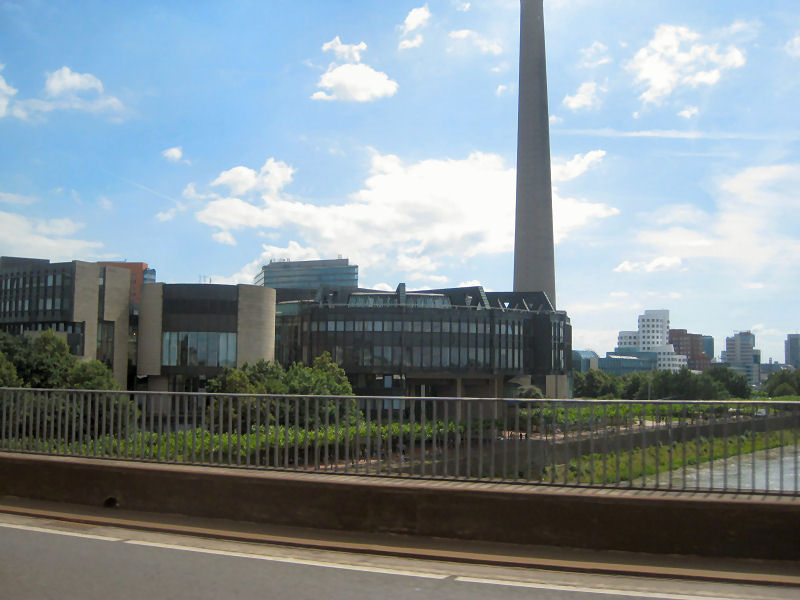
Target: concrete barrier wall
{"points": [[657, 522]]}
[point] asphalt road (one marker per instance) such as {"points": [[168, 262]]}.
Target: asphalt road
{"points": [[42, 559]]}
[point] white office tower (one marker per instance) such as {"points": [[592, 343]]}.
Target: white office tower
{"points": [[653, 336]]}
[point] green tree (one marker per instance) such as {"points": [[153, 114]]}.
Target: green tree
{"points": [[784, 389], [92, 375], [50, 362], [8, 373], [734, 383]]}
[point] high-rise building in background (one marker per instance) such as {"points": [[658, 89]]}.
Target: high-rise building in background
{"points": [[690, 345], [308, 274], [534, 266], [742, 356], [792, 346], [708, 346], [652, 336]]}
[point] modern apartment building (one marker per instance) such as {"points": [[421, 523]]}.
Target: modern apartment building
{"points": [[86, 303], [308, 274], [741, 355]]}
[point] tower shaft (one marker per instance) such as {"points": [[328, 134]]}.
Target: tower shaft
{"points": [[534, 263]]}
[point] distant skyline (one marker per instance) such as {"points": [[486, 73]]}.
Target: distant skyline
{"points": [[206, 138]]}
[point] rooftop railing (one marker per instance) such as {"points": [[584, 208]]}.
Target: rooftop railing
{"points": [[720, 446]]}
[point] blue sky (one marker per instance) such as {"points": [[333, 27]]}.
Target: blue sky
{"points": [[206, 138]]}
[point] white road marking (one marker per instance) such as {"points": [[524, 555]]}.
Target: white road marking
{"points": [[294, 561], [87, 536], [587, 590]]}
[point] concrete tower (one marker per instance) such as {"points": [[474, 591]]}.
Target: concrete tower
{"points": [[534, 265]]}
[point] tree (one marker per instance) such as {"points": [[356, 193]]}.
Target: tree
{"points": [[784, 389], [8, 374], [46, 363], [734, 383], [92, 375]]}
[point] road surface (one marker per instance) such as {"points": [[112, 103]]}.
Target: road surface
{"points": [[41, 558]]}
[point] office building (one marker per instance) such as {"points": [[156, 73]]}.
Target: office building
{"points": [[652, 335], [708, 346], [534, 266], [624, 361], [461, 342], [742, 356], [584, 360], [188, 333], [690, 345], [308, 274], [88, 304], [792, 346]]}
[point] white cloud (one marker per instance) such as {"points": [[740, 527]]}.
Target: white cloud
{"points": [[675, 57], [354, 83], [224, 237], [481, 43], [247, 273], [174, 154], [575, 167], [754, 285], [6, 92], [410, 216], [660, 263], [679, 213], [417, 18], [470, 283], [66, 81], [689, 112], [384, 287], [347, 52], [46, 238], [463, 6], [415, 42], [586, 97], [501, 90], [272, 177], [105, 203], [595, 55], [555, 120], [757, 204], [792, 47], [8, 198]]}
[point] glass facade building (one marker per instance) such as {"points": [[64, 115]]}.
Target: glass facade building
{"points": [[308, 274], [432, 341]]}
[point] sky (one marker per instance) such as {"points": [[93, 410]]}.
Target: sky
{"points": [[207, 138]]}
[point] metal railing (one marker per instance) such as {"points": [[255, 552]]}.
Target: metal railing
{"points": [[749, 447]]}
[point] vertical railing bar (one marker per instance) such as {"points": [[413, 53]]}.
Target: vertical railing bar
{"points": [[434, 441], [712, 437], [390, 443], [543, 441], [480, 439], [3, 418], [592, 433], [401, 444], [348, 424], [327, 436], [379, 437], [336, 433], [423, 439], [780, 461], [766, 444], [238, 430], [528, 441], [493, 442], [468, 433], [308, 428], [738, 417], [258, 401], [296, 403], [52, 445], [194, 403], [697, 446], [725, 448], [579, 445], [357, 448], [446, 437], [318, 432], [504, 436], [552, 441], [518, 440], [684, 427], [670, 416], [643, 427], [286, 433], [248, 404], [565, 442], [275, 433], [629, 426]]}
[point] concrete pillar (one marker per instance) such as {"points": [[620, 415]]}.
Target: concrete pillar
{"points": [[534, 268], [151, 306], [255, 328]]}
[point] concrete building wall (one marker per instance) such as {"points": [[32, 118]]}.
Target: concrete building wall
{"points": [[85, 301], [116, 308], [150, 318], [534, 268], [255, 325]]}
